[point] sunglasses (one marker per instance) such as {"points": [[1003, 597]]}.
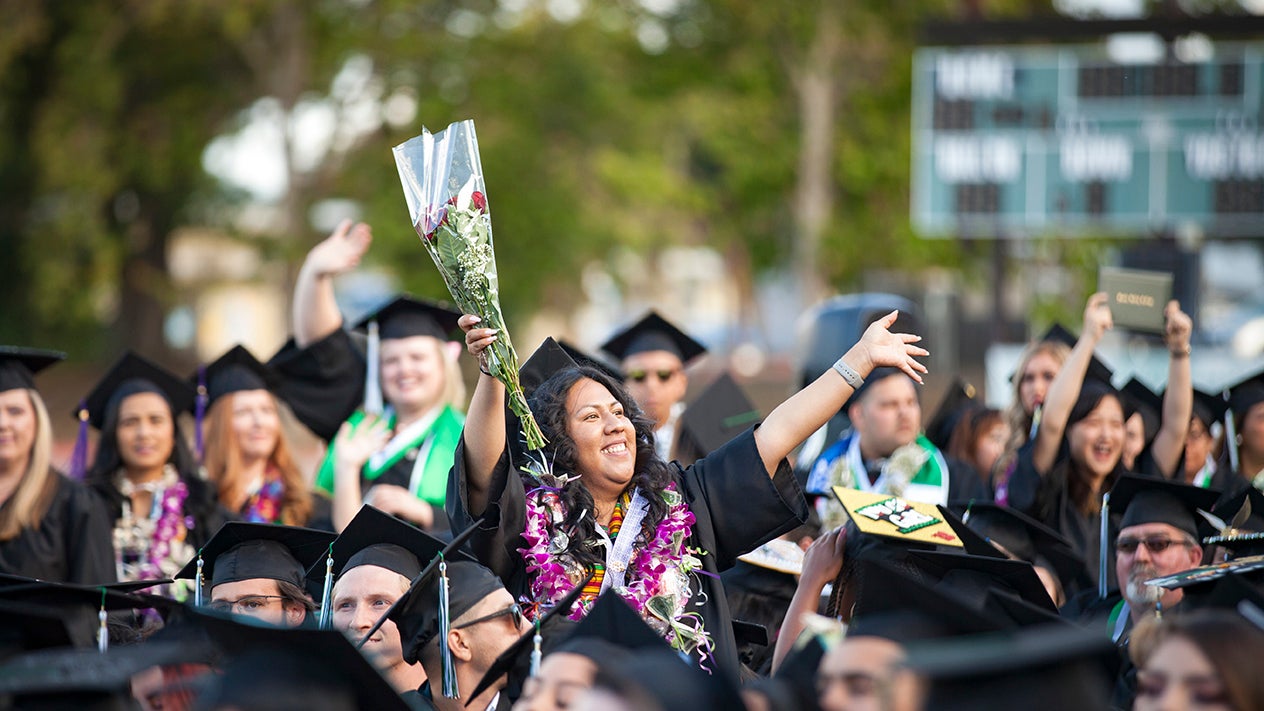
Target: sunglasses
{"points": [[1156, 544], [639, 376], [515, 610]]}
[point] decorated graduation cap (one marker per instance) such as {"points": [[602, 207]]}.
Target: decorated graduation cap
{"points": [[131, 374], [1138, 398], [896, 606], [18, 366], [309, 668], [1208, 408], [1024, 538], [778, 555], [653, 333], [1247, 393], [402, 317], [1219, 584], [1243, 534], [1150, 500], [377, 538], [718, 415], [1058, 667], [959, 400], [522, 658], [893, 518], [248, 551]]}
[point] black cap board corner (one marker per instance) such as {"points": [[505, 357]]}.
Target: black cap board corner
{"points": [[547, 360], [18, 366], [133, 374], [405, 316], [653, 333]]}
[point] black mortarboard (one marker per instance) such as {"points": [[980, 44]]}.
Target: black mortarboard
{"points": [[1209, 409], [1150, 500], [26, 627], [1246, 394], [1042, 668], [977, 578], [1027, 539], [653, 333], [971, 541], [405, 317], [669, 683], [1092, 392], [134, 374], [957, 401], [1244, 534], [235, 371], [321, 667], [612, 619], [875, 376], [246, 551], [903, 609], [718, 415], [1141, 399], [582, 357], [553, 629], [548, 359], [78, 605], [1058, 333], [18, 366], [416, 614]]}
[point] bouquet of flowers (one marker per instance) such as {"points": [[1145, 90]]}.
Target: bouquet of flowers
{"points": [[447, 201]]}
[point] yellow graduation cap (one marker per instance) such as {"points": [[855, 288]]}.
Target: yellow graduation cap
{"points": [[892, 517]]}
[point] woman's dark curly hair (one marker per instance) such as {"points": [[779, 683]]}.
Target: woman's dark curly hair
{"points": [[651, 474]]}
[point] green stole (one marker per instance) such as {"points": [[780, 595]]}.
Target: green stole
{"points": [[446, 433]]}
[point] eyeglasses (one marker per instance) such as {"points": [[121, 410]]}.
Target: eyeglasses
{"points": [[1156, 544], [244, 605], [639, 376], [514, 609]]}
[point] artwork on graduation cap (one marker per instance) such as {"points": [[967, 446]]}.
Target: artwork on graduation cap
{"points": [[442, 176], [893, 517], [1207, 573]]}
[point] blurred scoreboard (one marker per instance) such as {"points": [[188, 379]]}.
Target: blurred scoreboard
{"points": [[1060, 140]]}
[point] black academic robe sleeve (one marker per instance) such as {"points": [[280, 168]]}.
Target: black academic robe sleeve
{"points": [[73, 542], [322, 383]]}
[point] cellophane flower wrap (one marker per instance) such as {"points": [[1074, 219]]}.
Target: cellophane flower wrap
{"points": [[442, 177]]}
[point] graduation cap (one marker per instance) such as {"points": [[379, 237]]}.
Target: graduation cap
{"points": [[896, 606], [1098, 370], [718, 415], [1200, 582], [1026, 539], [402, 317], [1208, 408], [27, 627], [235, 371], [1226, 590], [1142, 400], [582, 357], [550, 358], [248, 551], [1246, 394], [660, 679], [959, 400], [1060, 667], [778, 555], [522, 658], [377, 538], [653, 333], [82, 608], [1150, 500], [894, 518], [1241, 534], [19, 365], [979, 579], [320, 666]]}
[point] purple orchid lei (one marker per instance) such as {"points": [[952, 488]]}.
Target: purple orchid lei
{"points": [[658, 574], [157, 544]]}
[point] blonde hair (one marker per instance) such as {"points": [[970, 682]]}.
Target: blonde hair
{"points": [[224, 466], [1019, 420], [453, 393], [34, 494]]}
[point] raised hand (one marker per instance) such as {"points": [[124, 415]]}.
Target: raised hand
{"points": [[341, 251], [355, 445], [882, 348], [1177, 328], [477, 340], [1097, 317]]}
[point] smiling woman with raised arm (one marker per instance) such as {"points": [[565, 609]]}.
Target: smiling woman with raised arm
{"points": [[599, 499]]}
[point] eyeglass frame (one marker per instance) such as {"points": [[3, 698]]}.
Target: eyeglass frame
{"points": [[515, 610], [1154, 544], [231, 605]]}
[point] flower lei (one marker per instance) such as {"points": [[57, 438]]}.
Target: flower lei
{"points": [[157, 541], [264, 505], [658, 573]]}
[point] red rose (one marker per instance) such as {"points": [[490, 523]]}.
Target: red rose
{"points": [[480, 201]]}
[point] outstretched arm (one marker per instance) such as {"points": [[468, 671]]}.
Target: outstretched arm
{"points": [[821, 566], [315, 311], [1178, 401], [484, 421], [1065, 389], [810, 408]]}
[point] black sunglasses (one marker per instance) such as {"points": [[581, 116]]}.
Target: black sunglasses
{"points": [[1155, 544], [639, 376], [514, 609]]}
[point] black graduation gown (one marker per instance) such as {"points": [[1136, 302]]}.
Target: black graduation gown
{"points": [[421, 699], [73, 543], [322, 383], [737, 507], [1048, 500]]}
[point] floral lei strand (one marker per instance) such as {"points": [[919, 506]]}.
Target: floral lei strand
{"points": [[659, 572]]}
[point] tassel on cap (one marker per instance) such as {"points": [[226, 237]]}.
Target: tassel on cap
{"points": [[1104, 548], [372, 376], [103, 632], [197, 582], [79, 460], [536, 641], [199, 412], [450, 690], [326, 602]]}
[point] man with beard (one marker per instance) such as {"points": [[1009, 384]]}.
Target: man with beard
{"points": [[1158, 536]]}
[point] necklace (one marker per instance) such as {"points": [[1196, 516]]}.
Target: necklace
{"points": [[153, 545]]}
